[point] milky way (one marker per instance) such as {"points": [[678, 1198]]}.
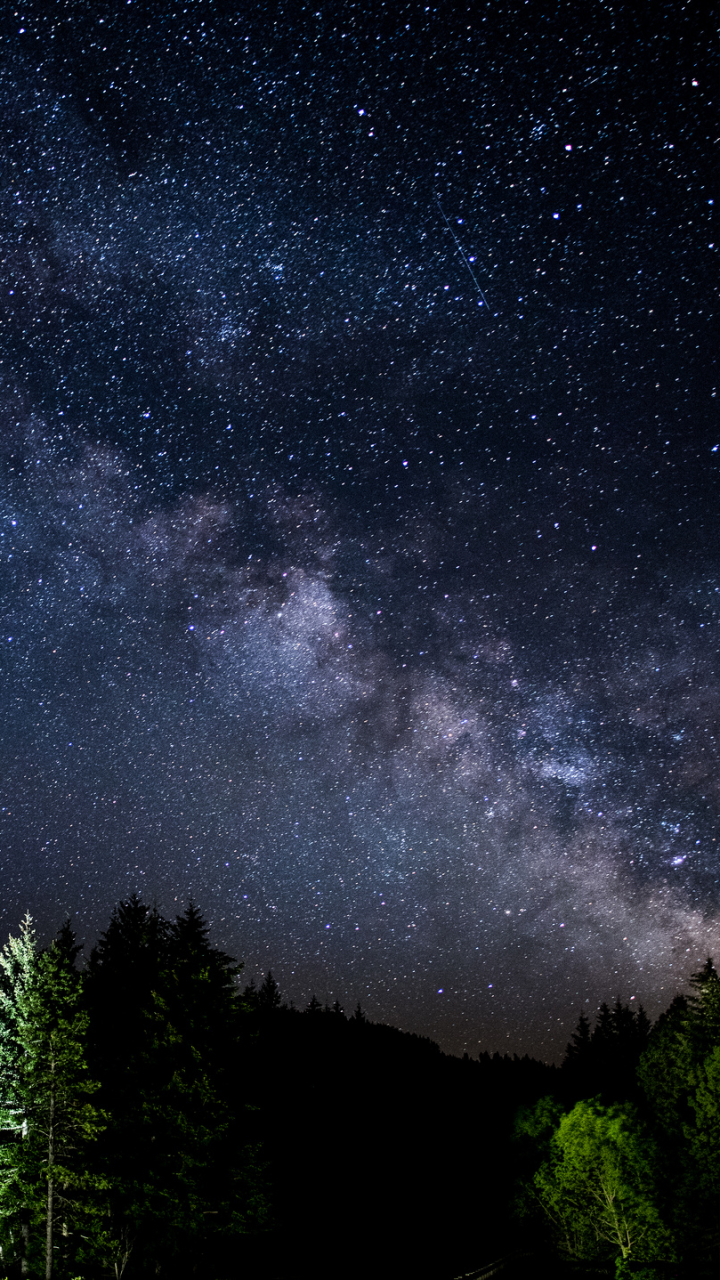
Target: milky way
{"points": [[358, 497]]}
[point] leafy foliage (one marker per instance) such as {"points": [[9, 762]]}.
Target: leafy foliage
{"points": [[598, 1186], [632, 1174]]}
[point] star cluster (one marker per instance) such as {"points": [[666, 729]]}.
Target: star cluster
{"points": [[358, 497]]}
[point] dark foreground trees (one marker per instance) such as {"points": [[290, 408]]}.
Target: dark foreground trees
{"points": [[168, 1049], [680, 1078], [151, 1110], [388, 1158], [125, 1128]]}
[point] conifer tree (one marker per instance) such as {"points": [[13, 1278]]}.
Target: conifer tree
{"points": [[268, 997], [45, 1177], [578, 1051], [126, 981], [604, 1061], [17, 969], [175, 1146], [680, 1076]]}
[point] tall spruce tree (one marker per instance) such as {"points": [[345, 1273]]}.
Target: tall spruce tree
{"points": [[45, 1176], [125, 980], [17, 970], [604, 1061], [680, 1076], [165, 1015]]}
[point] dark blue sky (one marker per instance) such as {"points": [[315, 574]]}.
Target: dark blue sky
{"points": [[358, 495]]}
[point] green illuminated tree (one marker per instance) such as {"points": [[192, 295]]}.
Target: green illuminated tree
{"points": [[48, 1200], [597, 1187], [18, 962]]}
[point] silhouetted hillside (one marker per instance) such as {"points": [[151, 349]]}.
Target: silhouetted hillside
{"points": [[386, 1156]]}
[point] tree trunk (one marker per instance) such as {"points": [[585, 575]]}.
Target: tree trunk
{"points": [[49, 1232], [51, 1181], [25, 1245], [125, 1246]]}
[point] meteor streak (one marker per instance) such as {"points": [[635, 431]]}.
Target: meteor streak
{"points": [[461, 251]]}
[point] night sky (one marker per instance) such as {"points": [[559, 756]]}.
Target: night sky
{"points": [[359, 559]]}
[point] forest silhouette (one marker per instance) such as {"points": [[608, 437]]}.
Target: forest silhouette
{"points": [[160, 1117]]}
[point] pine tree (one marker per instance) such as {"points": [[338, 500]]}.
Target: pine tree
{"points": [[604, 1061], [680, 1075], [45, 1174], [579, 1047], [268, 997], [175, 1146], [17, 969], [124, 977]]}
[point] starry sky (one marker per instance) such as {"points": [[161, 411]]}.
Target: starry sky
{"points": [[359, 560]]}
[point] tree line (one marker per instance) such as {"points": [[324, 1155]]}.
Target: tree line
{"points": [[158, 1117]]}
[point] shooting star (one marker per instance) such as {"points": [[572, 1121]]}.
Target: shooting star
{"points": [[461, 251]]}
